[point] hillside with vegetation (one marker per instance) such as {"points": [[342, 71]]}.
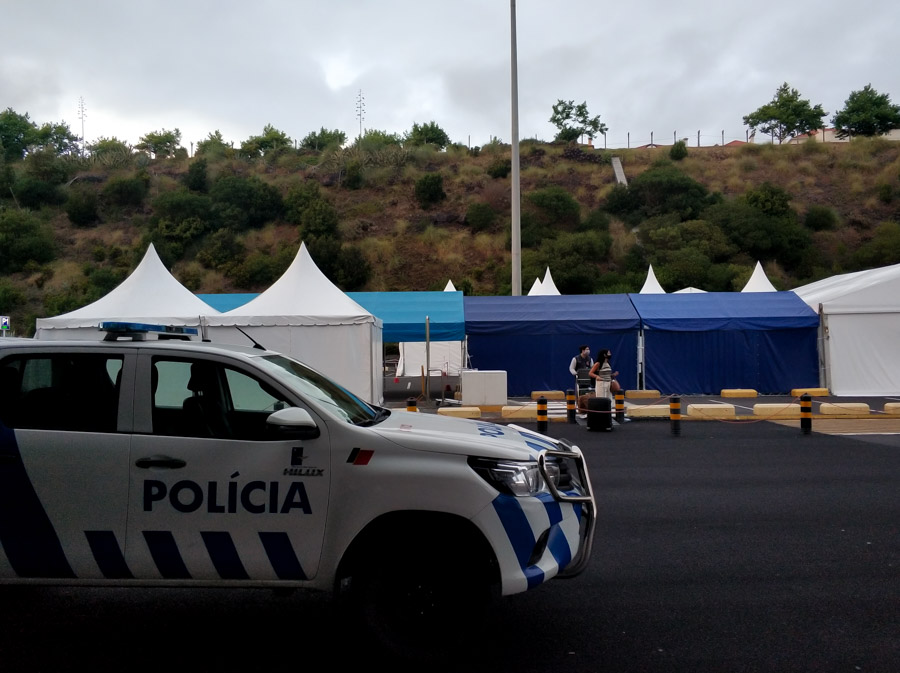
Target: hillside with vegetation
{"points": [[384, 215]]}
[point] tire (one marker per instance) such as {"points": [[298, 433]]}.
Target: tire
{"points": [[422, 603]]}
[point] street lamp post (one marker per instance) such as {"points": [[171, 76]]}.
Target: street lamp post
{"points": [[516, 188]]}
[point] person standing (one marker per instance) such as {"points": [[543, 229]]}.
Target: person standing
{"points": [[581, 361], [602, 373]]}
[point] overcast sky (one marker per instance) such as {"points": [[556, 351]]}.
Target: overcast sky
{"points": [[643, 65]]}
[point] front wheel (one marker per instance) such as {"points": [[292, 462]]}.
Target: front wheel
{"points": [[425, 602]]}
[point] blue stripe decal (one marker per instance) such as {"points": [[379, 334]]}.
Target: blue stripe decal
{"points": [[554, 511], [534, 575], [26, 533], [537, 441], [282, 556], [224, 555], [517, 528], [559, 547], [108, 554], [164, 551]]}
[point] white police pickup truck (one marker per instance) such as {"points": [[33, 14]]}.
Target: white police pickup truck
{"points": [[146, 460]]}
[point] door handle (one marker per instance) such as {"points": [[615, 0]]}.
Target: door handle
{"points": [[160, 461]]}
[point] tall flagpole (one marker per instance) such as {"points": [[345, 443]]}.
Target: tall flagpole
{"points": [[516, 189]]}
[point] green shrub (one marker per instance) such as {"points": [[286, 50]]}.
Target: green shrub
{"points": [[196, 178], [299, 198], [480, 217], [429, 190], [24, 240], [243, 203], [319, 220], [554, 207], [222, 249], [885, 192], [82, 207], [820, 218], [11, 297], [180, 205], [499, 168], [33, 193], [353, 178], [678, 151], [125, 192]]}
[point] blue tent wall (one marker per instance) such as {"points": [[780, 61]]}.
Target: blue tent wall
{"points": [[403, 314], [702, 343], [534, 338]]}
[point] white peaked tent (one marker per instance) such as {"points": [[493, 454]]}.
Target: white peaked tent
{"points": [[544, 287], [651, 285], [304, 315], [689, 290], [859, 331], [548, 287], [449, 287], [759, 282], [150, 295]]}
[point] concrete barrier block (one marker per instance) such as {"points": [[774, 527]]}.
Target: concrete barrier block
{"points": [[519, 411], [812, 392], [739, 392], [892, 408], [648, 411], [698, 411], [460, 412], [844, 409], [777, 410], [642, 394], [549, 394]]}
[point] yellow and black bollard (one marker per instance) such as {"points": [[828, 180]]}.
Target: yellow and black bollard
{"points": [[542, 414], [620, 407], [806, 413], [411, 404], [675, 415], [570, 406]]}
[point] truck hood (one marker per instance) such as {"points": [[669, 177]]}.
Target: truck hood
{"points": [[444, 434]]}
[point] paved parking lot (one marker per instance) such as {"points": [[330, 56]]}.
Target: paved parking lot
{"points": [[735, 547]]}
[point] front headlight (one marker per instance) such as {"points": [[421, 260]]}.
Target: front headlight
{"points": [[513, 477]]}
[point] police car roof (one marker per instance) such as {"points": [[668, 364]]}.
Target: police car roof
{"points": [[165, 344]]}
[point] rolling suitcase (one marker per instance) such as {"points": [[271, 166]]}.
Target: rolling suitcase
{"points": [[599, 414]]}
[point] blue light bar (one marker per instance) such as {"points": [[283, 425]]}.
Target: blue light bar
{"points": [[144, 328]]}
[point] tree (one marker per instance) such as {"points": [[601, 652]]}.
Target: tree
{"points": [[323, 139], [427, 134], [16, 133], [160, 143], [786, 115], [56, 137], [374, 140], [866, 113], [108, 146], [573, 121], [213, 145], [270, 140]]}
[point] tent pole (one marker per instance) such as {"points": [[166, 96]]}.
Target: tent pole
{"points": [[427, 357]]}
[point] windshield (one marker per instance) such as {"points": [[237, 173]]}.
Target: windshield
{"points": [[311, 384]]}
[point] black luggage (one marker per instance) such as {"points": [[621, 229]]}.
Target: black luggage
{"points": [[583, 383], [599, 415]]}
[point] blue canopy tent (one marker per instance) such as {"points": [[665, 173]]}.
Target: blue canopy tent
{"points": [[403, 313], [702, 343], [534, 338]]}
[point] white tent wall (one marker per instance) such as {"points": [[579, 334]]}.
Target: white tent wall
{"points": [[861, 352], [348, 354], [446, 356], [859, 331]]}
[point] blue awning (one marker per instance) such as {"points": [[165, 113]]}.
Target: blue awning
{"points": [[703, 312], [550, 314], [403, 314]]}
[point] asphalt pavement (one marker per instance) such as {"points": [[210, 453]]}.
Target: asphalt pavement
{"points": [[734, 547]]}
